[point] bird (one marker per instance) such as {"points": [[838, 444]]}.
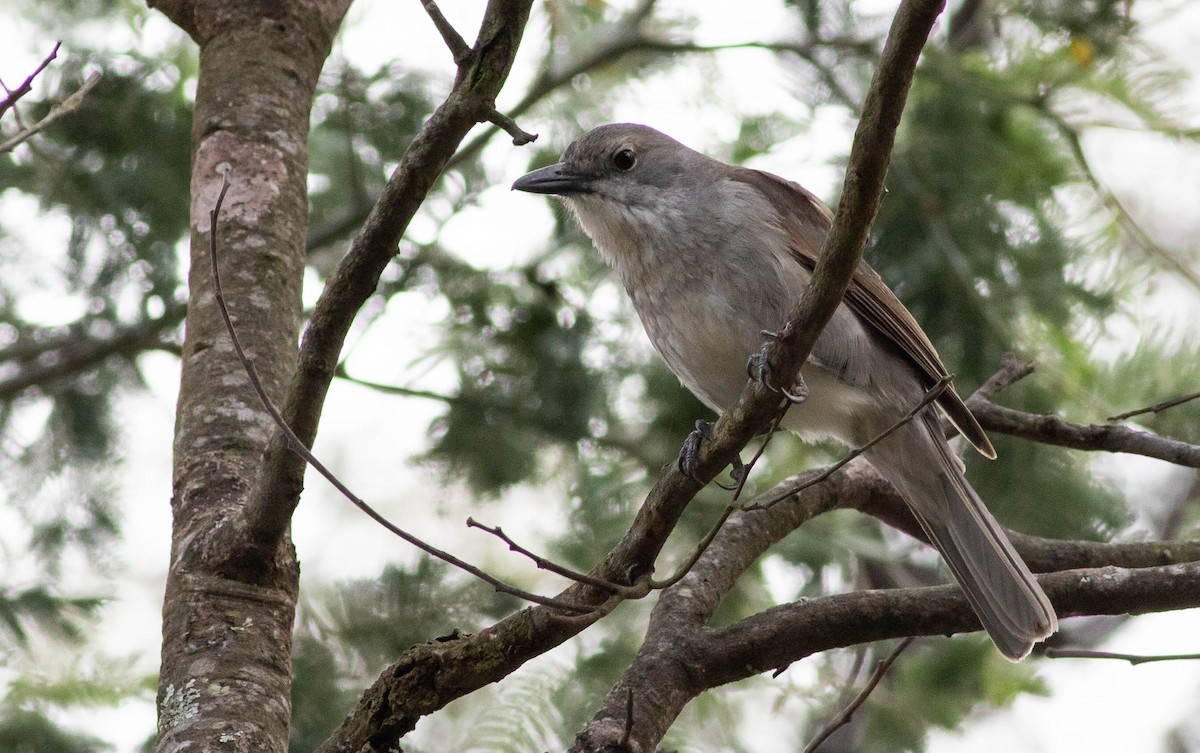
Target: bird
{"points": [[713, 256]]}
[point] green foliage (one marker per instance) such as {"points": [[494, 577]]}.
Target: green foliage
{"points": [[525, 383], [55, 615], [523, 716], [118, 167], [34, 732], [973, 271], [361, 124], [352, 632], [1124, 386], [104, 682]]}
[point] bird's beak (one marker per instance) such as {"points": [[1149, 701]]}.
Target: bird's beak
{"points": [[553, 179]]}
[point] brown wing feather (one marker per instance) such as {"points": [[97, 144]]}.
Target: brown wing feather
{"points": [[808, 219]]}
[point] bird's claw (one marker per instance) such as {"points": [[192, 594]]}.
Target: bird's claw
{"points": [[689, 453], [758, 368], [737, 473], [689, 456]]}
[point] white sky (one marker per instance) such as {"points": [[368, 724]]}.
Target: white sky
{"points": [[1095, 706]]}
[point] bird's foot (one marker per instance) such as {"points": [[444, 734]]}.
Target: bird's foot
{"points": [[689, 456], [758, 367]]}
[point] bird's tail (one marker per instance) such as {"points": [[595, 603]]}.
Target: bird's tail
{"points": [[1003, 592]]}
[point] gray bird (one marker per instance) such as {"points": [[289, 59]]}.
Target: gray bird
{"points": [[712, 255]]}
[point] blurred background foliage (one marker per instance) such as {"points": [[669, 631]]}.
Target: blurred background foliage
{"points": [[995, 231]]}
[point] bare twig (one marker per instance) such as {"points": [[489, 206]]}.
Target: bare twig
{"points": [[930, 395], [1134, 659], [694, 557], [459, 48], [566, 572], [1157, 407], [68, 105], [1049, 429], [302, 450], [1011, 371], [27, 85], [744, 473], [843, 717], [393, 389]]}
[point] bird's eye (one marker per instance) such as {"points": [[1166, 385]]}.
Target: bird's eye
{"points": [[624, 160]]}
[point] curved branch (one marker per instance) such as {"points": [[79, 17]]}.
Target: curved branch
{"points": [[682, 656], [181, 12], [788, 633]]}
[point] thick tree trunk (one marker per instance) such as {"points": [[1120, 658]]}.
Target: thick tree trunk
{"points": [[225, 682]]}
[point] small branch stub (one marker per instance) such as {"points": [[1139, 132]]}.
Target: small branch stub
{"points": [[520, 137]]}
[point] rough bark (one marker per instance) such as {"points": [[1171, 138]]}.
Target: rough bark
{"points": [[225, 681]]}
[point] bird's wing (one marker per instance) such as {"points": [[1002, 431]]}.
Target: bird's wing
{"points": [[807, 219]]}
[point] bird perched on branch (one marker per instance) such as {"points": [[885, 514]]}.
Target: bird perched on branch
{"points": [[712, 255]]}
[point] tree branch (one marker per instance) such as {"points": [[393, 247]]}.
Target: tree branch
{"points": [[843, 716], [1157, 407], [79, 352], [459, 49], [268, 513], [683, 656], [1133, 659], [26, 86], [785, 634], [1049, 429], [181, 12], [68, 105]]}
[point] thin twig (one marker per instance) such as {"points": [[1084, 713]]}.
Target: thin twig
{"points": [[746, 468], [1011, 371], [27, 85], [1157, 407], [300, 449], [392, 389], [843, 717], [1134, 659], [269, 511], [68, 105], [930, 395], [459, 48], [1124, 217], [694, 557], [566, 572]]}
